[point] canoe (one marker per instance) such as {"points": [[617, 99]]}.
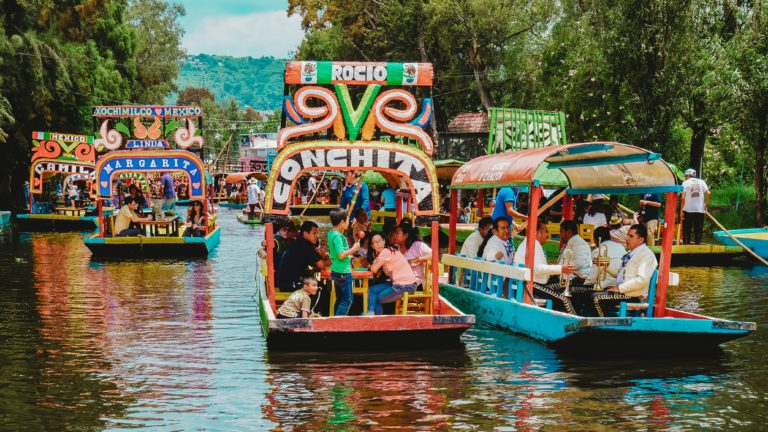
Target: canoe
{"points": [[243, 218], [754, 238], [160, 246]]}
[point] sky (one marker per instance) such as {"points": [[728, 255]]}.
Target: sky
{"points": [[240, 28]]}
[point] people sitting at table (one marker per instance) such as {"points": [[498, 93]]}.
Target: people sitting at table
{"points": [[472, 244], [499, 247], [195, 220], [634, 277], [544, 286], [609, 250], [299, 304], [137, 195], [126, 216], [576, 251], [396, 266], [302, 258], [413, 249]]}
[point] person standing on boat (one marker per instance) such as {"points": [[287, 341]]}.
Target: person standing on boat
{"points": [[542, 287], [695, 200], [634, 277], [341, 263], [254, 197], [169, 192], [388, 199], [363, 197], [500, 247], [650, 206], [472, 244], [505, 204], [576, 251], [302, 258], [333, 194]]}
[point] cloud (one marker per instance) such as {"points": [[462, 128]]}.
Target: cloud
{"points": [[256, 34]]}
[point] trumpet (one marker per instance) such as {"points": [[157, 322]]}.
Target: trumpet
{"points": [[602, 263], [565, 279]]}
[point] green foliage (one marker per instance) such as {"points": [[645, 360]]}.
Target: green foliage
{"points": [[257, 82]]}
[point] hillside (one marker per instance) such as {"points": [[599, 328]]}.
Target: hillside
{"points": [[257, 82]]}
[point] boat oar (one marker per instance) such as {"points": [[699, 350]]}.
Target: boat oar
{"points": [[551, 202], [738, 242], [354, 196], [313, 194]]}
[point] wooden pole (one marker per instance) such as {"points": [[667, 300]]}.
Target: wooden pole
{"points": [[480, 204], [102, 222], [270, 237], [627, 209], [551, 202], [453, 218], [738, 242], [568, 211], [435, 266], [354, 196], [398, 207], [315, 193], [665, 258], [530, 240]]}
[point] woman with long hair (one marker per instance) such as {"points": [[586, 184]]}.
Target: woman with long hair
{"points": [[195, 220], [394, 264], [413, 249]]}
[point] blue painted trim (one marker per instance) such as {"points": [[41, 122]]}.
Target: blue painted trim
{"points": [[610, 160], [536, 182], [589, 148], [627, 190]]}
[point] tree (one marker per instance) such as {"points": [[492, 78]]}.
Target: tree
{"points": [[194, 96], [6, 117], [158, 50]]}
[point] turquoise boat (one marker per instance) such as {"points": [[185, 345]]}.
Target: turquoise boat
{"points": [[753, 238], [5, 217], [502, 295]]}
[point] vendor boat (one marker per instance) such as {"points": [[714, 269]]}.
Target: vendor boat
{"points": [[148, 151], [424, 319], [600, 167], [58, 160]]}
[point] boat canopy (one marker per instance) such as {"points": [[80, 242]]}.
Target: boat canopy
{"points": [[584, 168], [240, 177]]}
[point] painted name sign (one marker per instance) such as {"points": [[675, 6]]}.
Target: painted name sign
{"points": [[41, 167], [151, 144], [56, 136], [328, 72], [147, 111], [400, 162], [111, 165]]}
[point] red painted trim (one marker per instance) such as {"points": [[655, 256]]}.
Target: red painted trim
{"points": [[568, 212], [480, 203], [530, 243], [270, 237], [452, 221], [398, 207], [378, 323], [435, 266], [665, 258], [102, 223]]}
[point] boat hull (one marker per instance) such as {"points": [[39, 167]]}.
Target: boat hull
{"points": [[581, 335], [55, 222], [313, 209], [121, 247], [754, 238], [5, 217], [363, 333], [243, 218]]}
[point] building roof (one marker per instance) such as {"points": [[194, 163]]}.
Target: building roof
{"points": [[469, 122]]}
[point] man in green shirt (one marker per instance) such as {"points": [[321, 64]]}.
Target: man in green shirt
{"points": [[341, 266]]}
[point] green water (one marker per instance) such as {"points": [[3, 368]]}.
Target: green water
{"points": [[176, 345]]}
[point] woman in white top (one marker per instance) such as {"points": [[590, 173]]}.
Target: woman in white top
{"points": [[595, 215], [413, 249]]}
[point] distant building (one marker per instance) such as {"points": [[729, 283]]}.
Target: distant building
{"points": [[254, 150], [466, 137]]}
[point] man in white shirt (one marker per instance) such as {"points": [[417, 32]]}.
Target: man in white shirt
{"points": [[577, 249], [254, 194], [542, 271], [695, 200], [634, 277], [472, 244], [499, 247], [612, 252]]}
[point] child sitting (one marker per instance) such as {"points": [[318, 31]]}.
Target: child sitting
{"points": [[298, 304]]}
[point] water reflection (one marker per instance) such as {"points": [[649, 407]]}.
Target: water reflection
{"points": [[176, 345]]}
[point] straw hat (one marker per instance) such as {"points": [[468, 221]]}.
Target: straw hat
{"points": [[252, 181], [615, 220]]}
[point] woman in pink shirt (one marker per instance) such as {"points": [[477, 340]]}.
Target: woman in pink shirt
{"points": [[394, 264]]}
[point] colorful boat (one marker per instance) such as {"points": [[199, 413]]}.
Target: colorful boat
{"points": [[5, 217], [147, 150], [600, 167], [425, 319], [59, 159], [753, 238]]}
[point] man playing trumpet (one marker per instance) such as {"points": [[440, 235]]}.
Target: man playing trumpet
{"points": [[606, 260]]}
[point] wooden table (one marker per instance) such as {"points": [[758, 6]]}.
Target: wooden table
{"points": [[359, 286], [71, 211], [171, 226]]}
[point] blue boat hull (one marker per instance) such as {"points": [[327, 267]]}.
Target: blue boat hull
{"points": [[51, 222], [580, 335], [758, 245], [5, 217]]}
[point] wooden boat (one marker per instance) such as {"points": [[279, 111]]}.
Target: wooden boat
{"points": [[600, 167], [163, 236], [425, 319], [313, 209], [243, 218], [754, 238], [71, 158]]}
